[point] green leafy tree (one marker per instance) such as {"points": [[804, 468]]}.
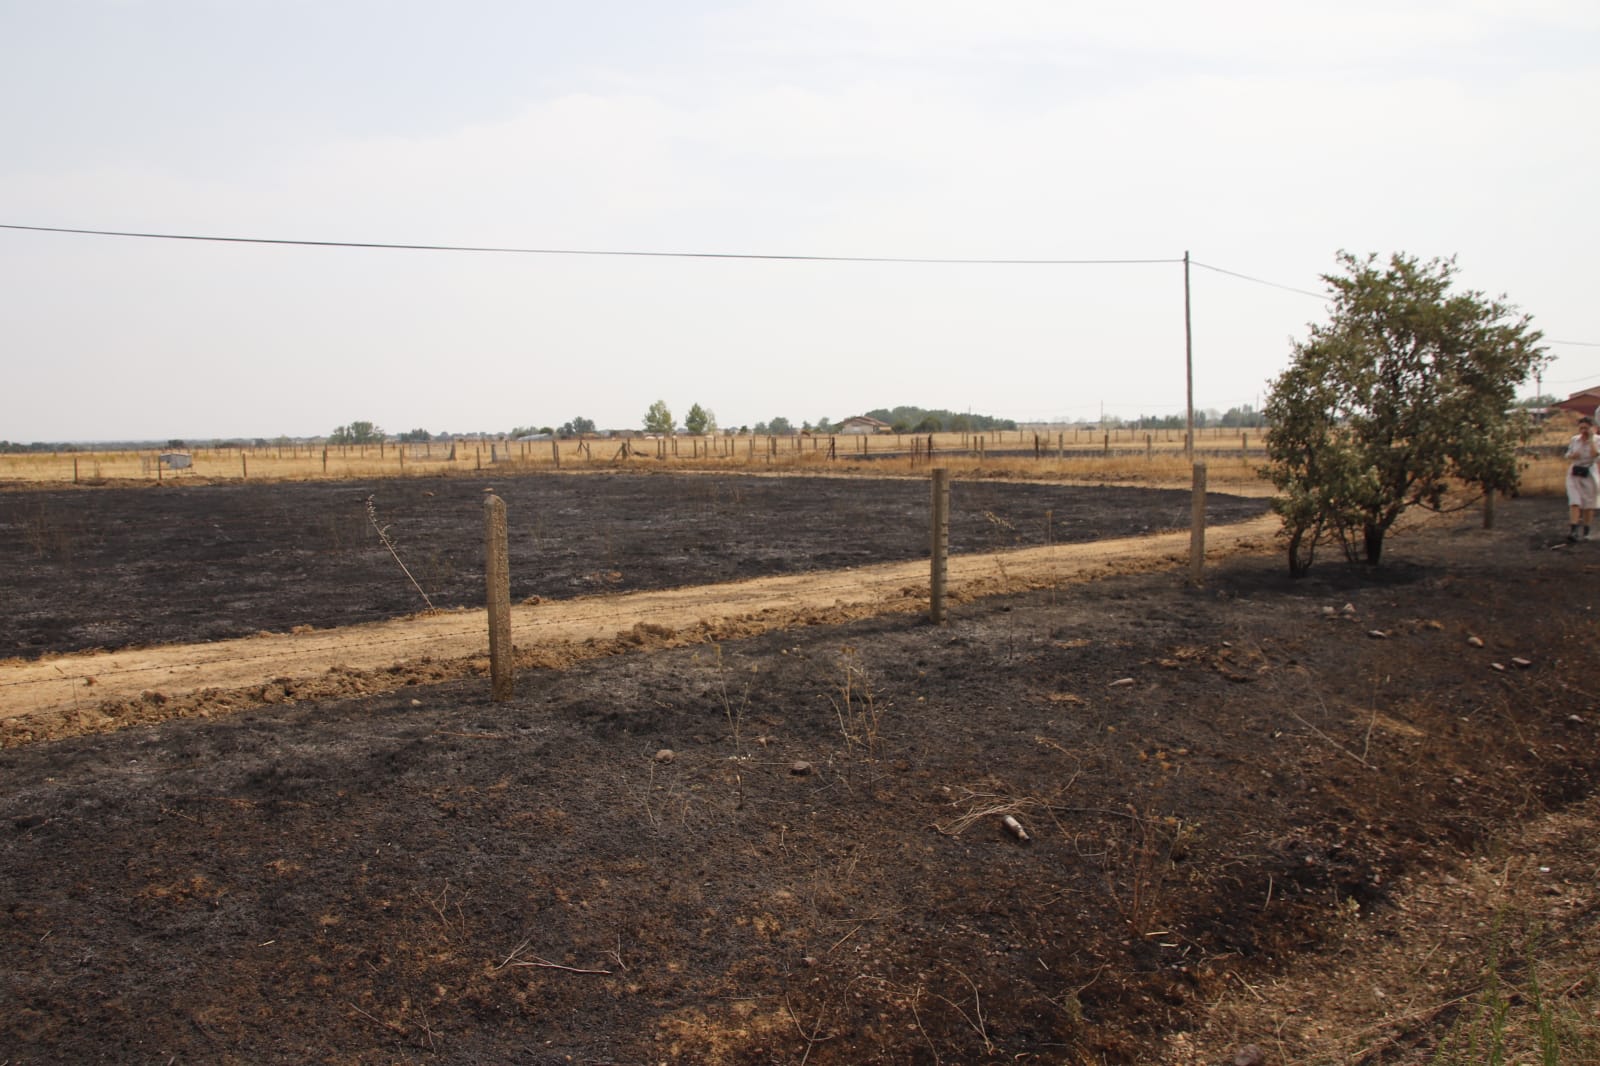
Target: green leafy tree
{"points": [[699, 420], [780, 427], [1407, 387], [576, 428], [659, 418], [1245, 417], [822, 425], [419, 436], [356, 433]]}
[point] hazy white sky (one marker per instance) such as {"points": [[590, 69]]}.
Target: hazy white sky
{"points": [[1262, 137]]}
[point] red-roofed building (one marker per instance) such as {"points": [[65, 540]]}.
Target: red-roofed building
{"points": [[1586, 402]]}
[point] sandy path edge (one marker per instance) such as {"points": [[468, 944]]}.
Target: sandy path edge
{"points": [[94, 689]]}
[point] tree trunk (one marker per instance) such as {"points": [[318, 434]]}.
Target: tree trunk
{"points": [[1300, 560], [1373, 542]]}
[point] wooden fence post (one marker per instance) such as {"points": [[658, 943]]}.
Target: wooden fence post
{"points": [[497, 572], [940, 544], [1197, 527]]}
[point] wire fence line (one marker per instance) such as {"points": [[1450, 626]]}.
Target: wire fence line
{"points": [[580, 617]]}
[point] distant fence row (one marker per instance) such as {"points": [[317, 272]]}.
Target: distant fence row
{"points": [[311, 461]]}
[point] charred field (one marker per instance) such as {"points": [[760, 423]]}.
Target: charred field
{"points": [[789, 848]]}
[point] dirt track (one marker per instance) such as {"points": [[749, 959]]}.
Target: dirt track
{"points": [[88, 692]]}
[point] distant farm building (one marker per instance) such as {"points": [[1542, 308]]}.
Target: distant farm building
{"points": [[863, 424], [1584, 402], [176, 460]]}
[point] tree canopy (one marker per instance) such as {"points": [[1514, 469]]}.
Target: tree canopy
{"points": [[699, 420], [659, 418], [906, 419], [1409, 386], [356, 433], [576, 428]]}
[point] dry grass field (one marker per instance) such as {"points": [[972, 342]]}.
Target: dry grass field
{"points": [[1232, 457], [1016, 453]]}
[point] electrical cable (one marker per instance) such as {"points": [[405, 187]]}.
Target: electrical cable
{"points": [[585, 251], [629, 253]]}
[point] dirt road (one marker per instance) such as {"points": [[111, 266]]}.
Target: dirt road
{"points": [[63, 695]]}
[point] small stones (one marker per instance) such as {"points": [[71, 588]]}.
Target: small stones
{"points": [[1249, 1055], [1377, 634], [800, 768], [666, 755], [1476, 642], [1121, 682], [1521, 663]]}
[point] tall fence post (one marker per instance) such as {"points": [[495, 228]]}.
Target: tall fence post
{"points": [[1197, 527], [940, 544], [497, 571], [1488, 508]]}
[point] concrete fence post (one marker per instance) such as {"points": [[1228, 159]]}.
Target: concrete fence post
{"points": [[939, 536], [497, 572]]}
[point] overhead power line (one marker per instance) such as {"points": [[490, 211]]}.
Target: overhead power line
{"points": [[631, 253], [1259, 281], [582, 251]]}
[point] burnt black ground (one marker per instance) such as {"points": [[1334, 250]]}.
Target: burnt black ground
{"points": [[1215, 781], [177, 563]]}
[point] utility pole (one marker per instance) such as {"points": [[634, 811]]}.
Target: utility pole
{"points": [[1188, 360]]}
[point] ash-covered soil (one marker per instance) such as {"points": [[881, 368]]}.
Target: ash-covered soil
{"points": [[791, 848], [184, 562]]}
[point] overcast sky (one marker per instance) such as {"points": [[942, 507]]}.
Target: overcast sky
{"points": [[1260, 137]]}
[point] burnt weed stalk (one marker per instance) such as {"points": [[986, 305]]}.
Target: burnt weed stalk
{"points": [[383, 535], [860, 716]]}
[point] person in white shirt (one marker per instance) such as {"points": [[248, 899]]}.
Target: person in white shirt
{"points": [[1583, 482]]}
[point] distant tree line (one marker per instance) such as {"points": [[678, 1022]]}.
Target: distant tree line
{"points": [[1242, 417], [15, 447], [921, 420]]}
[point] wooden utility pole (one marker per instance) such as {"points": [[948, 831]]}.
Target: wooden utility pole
{"points": [[1188, 361], [1197, 527]]}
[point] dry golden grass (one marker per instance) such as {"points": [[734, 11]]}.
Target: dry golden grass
{"points": [[1154, 457]]}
